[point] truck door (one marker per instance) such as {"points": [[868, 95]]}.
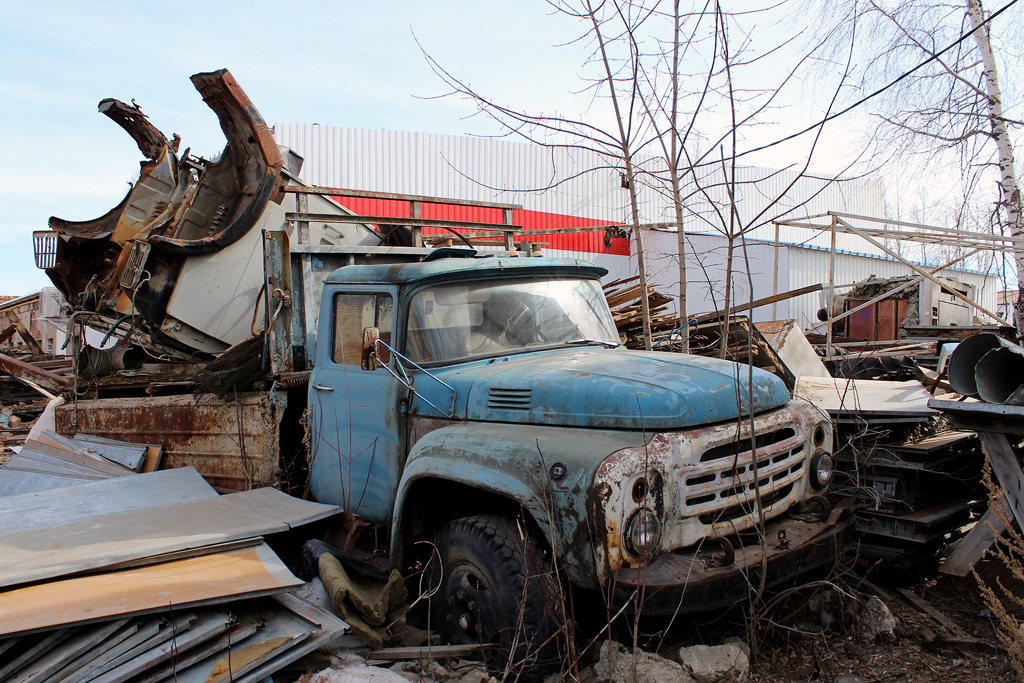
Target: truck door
{"points": [[356, 427]]}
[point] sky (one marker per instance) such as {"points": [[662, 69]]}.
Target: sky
{"points": [[336, 63]]}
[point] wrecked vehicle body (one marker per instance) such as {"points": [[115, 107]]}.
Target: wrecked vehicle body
{"points": [[180, 254], [479, 402], [626, 462]]}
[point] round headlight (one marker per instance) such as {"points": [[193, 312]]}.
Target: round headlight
{"points": [[822, 467], [642, 531]]}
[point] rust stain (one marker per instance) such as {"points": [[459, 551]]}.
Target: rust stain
{"points": [[245, 655], [198, 431]]}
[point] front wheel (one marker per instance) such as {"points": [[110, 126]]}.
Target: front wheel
{"points": [[497, 588]]}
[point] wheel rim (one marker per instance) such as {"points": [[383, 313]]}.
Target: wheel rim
{"points": [[472, 603]]}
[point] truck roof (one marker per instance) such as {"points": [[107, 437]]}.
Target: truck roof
{"points": [[457, 268]]}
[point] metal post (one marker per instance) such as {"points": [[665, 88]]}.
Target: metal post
{"points": [[416, 211], [506, 218], [775, 274], [831, 286], [303, 202]]}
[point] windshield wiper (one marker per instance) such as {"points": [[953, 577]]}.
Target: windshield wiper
{"points": [[590, 340]]}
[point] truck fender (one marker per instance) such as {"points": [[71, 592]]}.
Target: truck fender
{"points": [[470, 454]]}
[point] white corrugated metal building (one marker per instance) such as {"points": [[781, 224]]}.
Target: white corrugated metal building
{"points": [[582, 184]]}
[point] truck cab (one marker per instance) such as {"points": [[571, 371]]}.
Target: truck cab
{"points": [[486, 404]]}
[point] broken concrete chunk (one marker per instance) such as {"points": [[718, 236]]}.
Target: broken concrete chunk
{"points": [[357, 673], [875, 620], [616, 663], [715, 664]]}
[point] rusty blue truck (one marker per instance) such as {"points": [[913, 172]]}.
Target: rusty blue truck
{"points": [[476, 405], [486, 403]]}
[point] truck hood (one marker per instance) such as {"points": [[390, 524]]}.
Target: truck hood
{"points": [[608, 388]]}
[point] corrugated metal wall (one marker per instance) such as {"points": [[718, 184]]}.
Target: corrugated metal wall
{"points": [[569, 182], [798, 266], [552, 184]]}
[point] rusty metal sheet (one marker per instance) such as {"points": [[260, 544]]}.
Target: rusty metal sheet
{"points": [[61, 550], [293, 628], [865, 398], [198, 580], [234, 444]]}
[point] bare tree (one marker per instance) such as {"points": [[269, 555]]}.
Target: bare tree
{"points": [[606, 22], [934, 67]]}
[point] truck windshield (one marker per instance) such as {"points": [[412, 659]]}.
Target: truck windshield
{"points": [[454, 321]]}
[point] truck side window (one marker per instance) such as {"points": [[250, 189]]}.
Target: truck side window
{"points": [[353, 313]]}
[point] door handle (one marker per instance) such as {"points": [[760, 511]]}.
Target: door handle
{"points": [[320, 387]]}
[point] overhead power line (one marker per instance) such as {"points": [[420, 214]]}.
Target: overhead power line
{"points": [[881, 90]]}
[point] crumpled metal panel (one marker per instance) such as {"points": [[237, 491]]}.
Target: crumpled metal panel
{"points": [[233, 444]]}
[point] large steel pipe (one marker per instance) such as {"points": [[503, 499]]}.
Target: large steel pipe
{"points": [[964, 359], [1000, 375]]}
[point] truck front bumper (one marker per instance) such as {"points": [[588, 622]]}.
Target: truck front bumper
{"points": [[695, 580]]}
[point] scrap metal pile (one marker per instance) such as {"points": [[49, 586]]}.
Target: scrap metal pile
{"points": [[150, 577]]}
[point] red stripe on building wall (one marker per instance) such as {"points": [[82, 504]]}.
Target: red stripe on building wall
{"points": [[533, 222]]}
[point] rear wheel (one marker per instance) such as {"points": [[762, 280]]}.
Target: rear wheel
{"points": [[496, 588]]}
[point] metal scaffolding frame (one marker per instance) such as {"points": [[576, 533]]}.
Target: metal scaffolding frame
{"points": [[840, 223]]}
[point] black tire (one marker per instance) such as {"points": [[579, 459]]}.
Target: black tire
{"points": [[496, 588]]}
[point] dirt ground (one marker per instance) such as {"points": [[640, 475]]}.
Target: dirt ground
{"points": [[921, 651]]}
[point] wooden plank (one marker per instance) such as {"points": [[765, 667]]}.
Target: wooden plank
{"points": [[974, 545], [103, 497], [7, 333], [154, 454], [23, 332], [48, 552], [398, 654], [923, 605], [180, 584], [1006, 467], [758, 303]]}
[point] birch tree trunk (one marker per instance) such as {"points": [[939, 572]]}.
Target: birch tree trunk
{"points": [[1010, 189]]}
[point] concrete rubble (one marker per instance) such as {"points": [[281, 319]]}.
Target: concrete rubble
{"points": [[727, 663]]}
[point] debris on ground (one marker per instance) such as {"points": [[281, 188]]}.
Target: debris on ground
{"points": [[618, 663], [875, 621], [148, 576], [726, 663]]}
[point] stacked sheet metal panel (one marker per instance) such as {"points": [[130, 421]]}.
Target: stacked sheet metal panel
{"points": [[150, 577]]}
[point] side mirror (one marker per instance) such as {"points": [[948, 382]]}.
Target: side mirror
{"points": [[371, 335]]}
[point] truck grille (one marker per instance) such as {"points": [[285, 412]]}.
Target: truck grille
{"points": [[509, 399], [726, 488]]}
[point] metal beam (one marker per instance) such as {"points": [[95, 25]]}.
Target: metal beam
{"points": [[339, 192], [920, 270]]}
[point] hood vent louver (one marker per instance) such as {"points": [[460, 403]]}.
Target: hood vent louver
{"points": [[509, 399]]}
